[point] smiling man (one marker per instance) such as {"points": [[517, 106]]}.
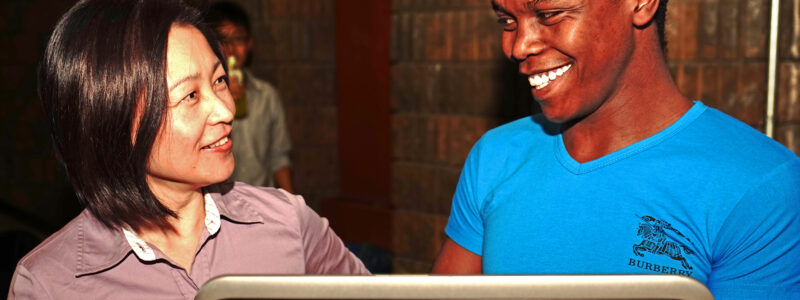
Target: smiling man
{"points": [[620, 173]]}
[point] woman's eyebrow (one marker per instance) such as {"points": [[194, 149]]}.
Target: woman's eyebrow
{"points": [[184, 79], [193, 76]]}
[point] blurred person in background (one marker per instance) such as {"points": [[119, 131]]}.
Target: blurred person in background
{"points": [[262, 141]]}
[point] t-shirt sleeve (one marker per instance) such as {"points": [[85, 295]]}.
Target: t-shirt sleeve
{"points": [[465, 225], [757, 250], [324, 251]]}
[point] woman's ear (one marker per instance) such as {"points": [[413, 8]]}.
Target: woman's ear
{"points": [[644, 11]]}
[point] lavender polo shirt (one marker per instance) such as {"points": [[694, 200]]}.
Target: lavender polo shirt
{"points": [[260, 231]]}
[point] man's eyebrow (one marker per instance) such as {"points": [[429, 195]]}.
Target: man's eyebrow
{"points": [[496, 7], [529, 5], [193, 76]]}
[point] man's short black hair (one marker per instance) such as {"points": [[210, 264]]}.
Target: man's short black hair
{"points": [[220, 12], [102, 76]]}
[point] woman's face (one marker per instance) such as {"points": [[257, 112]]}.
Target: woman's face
{"points": [[193, 146]]}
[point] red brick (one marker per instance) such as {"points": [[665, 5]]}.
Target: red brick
{"points": [[672, 30], [414, 186], [322, 41], [710, 89], [688, 80], [307, 84], [438, 40], [395, 52], [755, 28], [752, 94], [280, 31], [456, 135], [418, 235], [789, 136], [414, 87], [400, 5], [411, 138], [688, 28], [789, 29], [707, 29], [423, 187], [788, 96], [312, 126], [489, 34], [729, 29], [278, 8], [467, 42], [420, 22], [315, 171], [746, 101]]}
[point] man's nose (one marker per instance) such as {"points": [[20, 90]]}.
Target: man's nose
{"points": [[528, 41]]}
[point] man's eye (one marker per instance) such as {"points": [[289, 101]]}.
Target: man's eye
{"points": [[546, 15], [508, 23]]}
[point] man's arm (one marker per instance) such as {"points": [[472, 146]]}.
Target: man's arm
{"points": [[283, 179], [454, 259]]}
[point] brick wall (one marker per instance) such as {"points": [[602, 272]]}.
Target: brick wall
{"points": [[450, 84], [787, 129], [294, 49]]}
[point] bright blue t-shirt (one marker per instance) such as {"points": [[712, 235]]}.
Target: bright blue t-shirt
{"points": [[708, 197]]}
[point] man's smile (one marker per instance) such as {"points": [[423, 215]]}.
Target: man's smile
{"points": [[541, 80]]}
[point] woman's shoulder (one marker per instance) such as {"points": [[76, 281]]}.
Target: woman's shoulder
{"points": [[242, 200], [80, 245]]}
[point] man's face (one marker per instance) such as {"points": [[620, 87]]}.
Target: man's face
{"points": [[235, 42], [574, 52]]}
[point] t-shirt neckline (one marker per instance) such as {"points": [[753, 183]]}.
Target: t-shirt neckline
{"points": [[576, 167]]}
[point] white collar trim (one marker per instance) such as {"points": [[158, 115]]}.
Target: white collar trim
{"points": [[146, 253]]}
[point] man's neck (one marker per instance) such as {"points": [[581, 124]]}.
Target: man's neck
{"points": [[646, 103]]}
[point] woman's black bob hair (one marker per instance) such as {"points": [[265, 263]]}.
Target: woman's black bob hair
{"points": [[102, 76]]}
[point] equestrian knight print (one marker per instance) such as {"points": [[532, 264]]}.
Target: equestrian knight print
{"points": [[655, 241]]}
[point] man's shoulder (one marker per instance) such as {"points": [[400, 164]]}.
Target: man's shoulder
{"points": [[520, 132], [735, 141]]}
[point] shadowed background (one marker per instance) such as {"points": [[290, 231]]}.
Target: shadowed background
{"points": [[384, 100]]}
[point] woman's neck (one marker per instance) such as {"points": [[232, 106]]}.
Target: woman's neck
{"points": [[180, 241]]}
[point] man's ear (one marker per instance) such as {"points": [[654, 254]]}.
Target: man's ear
{"points": [[644, 11]]}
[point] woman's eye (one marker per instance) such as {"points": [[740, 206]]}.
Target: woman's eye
{"points": [[222, 79], [191, 97]]}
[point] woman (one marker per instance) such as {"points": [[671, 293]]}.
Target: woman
{"points": [[137, 99]]}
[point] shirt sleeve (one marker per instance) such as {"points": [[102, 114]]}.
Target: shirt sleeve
{"points": [[25, 286], [465, 225], [325, 252], [280, 144], [757, 250]]}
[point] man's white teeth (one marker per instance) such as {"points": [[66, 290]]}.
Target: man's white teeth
{"points": [[218, 143], [541, 80]]}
